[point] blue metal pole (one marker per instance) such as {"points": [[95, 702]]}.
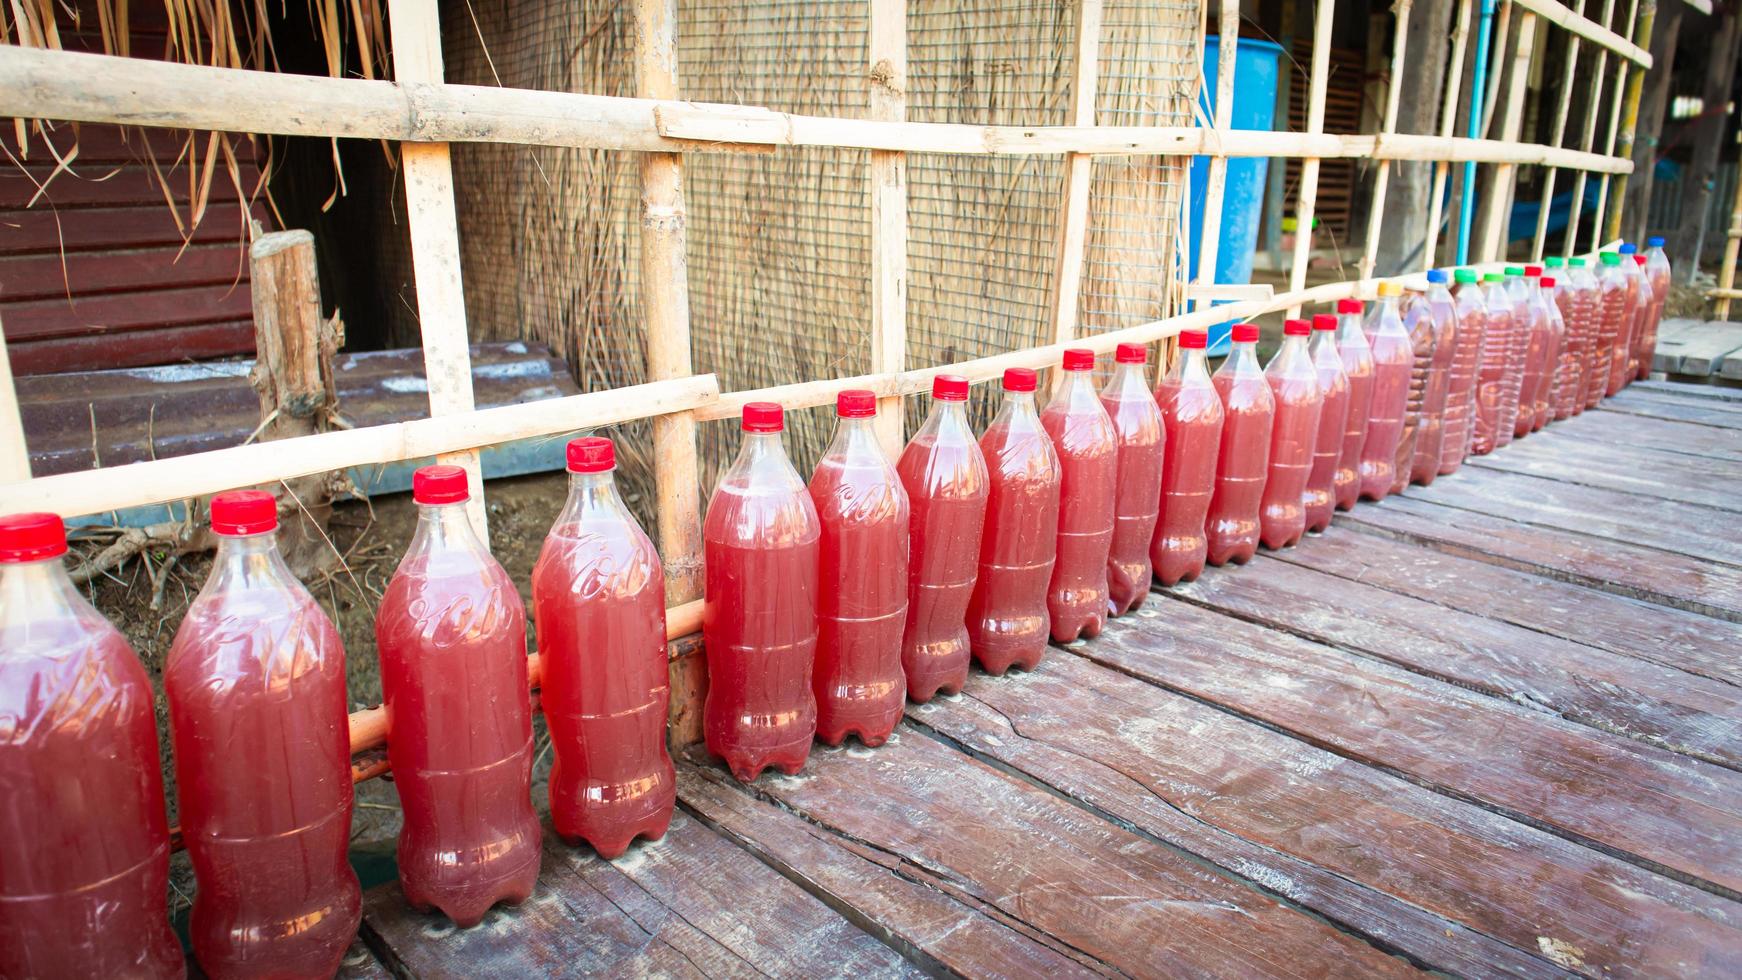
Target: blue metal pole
{"points": [[1478, 86]]}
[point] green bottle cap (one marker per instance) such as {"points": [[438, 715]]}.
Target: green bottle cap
{"points": [[1611, 258], [1515, 271], [1576, 263], [1493, 277], [1554, 262], [1465, 275]]}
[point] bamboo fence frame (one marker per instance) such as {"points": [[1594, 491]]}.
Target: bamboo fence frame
{"points": [[1307, 196], [1393, 93], [1210, 226], [424, 114], [1448, 124], [1560, 133]]}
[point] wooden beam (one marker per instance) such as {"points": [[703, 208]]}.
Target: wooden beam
{"points": [[1497, 205], [887, 78], [1448, 123], [1589, 138], [1568, 74], [14, 454], [1309, 171], [435, 245], [1067, 276], [1598, 34], [1393, 92], [1227, 55]]}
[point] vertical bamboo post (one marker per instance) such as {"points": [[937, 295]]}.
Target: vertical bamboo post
{"points": [[1491, 92], [888, 81], [1499, 200], [1643, 25], [1590, 136], [1448, 124], [14, 454], [1621, 66], [1568, 74], [1732, 239], [1309, 168], [1210, 226], [1067, 278], [1376, 211], [415, 27]]}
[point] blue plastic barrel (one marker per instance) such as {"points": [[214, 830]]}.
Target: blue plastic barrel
{"points": [[1255, 71]]}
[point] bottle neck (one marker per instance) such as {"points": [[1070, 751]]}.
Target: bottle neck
{"points": [[948, 421], [1322, 341], [1243, 360], [1293, 345], [1349, 329], [1191, 367], [249, 561], [1078, 389], [33, 591], [762, 461], [1018, 405], [856, 439], [1129, 379], [444, 527], [592, 495]]}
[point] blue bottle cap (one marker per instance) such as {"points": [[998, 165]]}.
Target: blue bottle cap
{"points": [[1436, 276], [1655, 241], [1627, 248]]}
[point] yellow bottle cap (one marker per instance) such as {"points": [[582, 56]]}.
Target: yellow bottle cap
{"points": [[1390, 289]]}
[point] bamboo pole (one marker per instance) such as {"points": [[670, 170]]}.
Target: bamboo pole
{"points": [[1448, 123], [1646, 22], [1732, 239], [1227, 55], [1491, 93], [1621, 67], [1598, 34], [1589, 139], [14, 453], [1499, 200], [665, 304], [887, 57], [1393, 92], [1067, 277], [1560, 132], [415, 26], [1309, 170]]}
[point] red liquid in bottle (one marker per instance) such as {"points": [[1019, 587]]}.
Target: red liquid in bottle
{"points": [[1142, 445], [1008, 623], [1529, 314], [1418, 323], [1553, 348], [1294, 386], [944, 474], [1320, 500], [1587, 328], [862, 588], [1357, 357], [1614, 306], [1088, 450], [1430, 439], [1248, 412], [84, 847], [1471, 314], [1657, 269], [598, 604], [761, 546], [1568, 364], [1191, 411], [1643, 307], [1492, 379], [451, 634], [256, 686], [1512, 386], [1393, 362]]}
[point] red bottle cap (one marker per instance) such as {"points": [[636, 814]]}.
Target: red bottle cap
{"points": [[32, 537], [1194, 339], [1019, 379], [1547, 282], [1296, 328], [763, 417], [1533, 270], [1245, 333], [856, 403], [1324, 321], [438, 485], [1349, 306], [591, 454], [1079, 359], [244, 512], [1131, 353], [949, 388], [1639, 259]]}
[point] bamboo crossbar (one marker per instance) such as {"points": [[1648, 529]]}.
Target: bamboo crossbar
{"points": [[1588, 29]]}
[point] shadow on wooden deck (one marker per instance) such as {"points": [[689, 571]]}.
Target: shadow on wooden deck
{"points": [[1493, 727]]}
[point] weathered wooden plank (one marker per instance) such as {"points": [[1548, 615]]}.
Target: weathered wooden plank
{"points": [[1649, 472], [1454, 886], [1617, 694], [1667, 812], [1682, 389], [1695, 348], [1653, 405], [691, 904], [1654, 633], [1135, 905], [878, 890], [1681, 528], [1616, 431], [1612, 566], [359, 964]]}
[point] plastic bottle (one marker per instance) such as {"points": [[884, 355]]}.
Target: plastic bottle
{"points": [[598, 606], [451, 634], [1512, 383], [761, 546], [84, 846], [1622, 364], [1471, 312], [862, 591], [1294, 433], [1319, 500], [1137, 420], [1393, 361], [1530, 315], [1657, 269], [1565, 369], [945, 476], [1554, 349], [1088, 450], [1586, 301], [1613, 307], [1191, 410], [1431, 437], [1358, 368], [256, 688], [1639, 353], [1008, 622], [1494, 377], [1248, 413], [1418, 323]]}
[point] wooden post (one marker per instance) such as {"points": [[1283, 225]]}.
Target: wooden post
{"points": [[292, 375], [428, 171], [1727, 272], [1448, 123], [1568, 74], [1067, 277], [14, 454], [1227, 53], [1615, 106], [1309, 168], [888, 83], [1393, 91], [1571, 244], [1493, 226]]}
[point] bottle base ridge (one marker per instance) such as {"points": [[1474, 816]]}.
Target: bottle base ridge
{"points": [[747, 764], [610, 848]]}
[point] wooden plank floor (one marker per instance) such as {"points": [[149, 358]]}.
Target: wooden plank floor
{"points": [[1492, 727]]}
